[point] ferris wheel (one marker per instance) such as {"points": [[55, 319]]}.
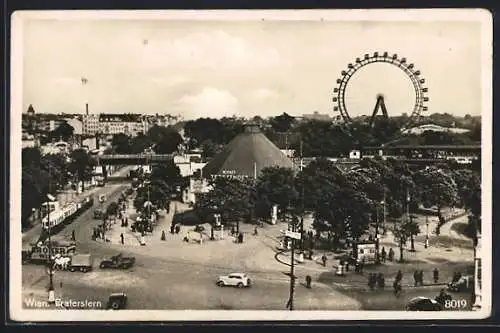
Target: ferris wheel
{"points": [[408, 68]]}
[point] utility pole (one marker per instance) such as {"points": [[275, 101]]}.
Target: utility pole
{"points": [[383, 223], [292, 274], [377, 259], [302, 209], [51, 271]]}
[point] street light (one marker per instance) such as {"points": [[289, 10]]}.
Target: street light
{"points": [[51, 271], [426, 245]]}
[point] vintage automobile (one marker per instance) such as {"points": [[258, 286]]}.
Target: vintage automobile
{"points": [[465, 283], [421, 303], [98, 214], [239, 280], [117, 301], [117, 262]]}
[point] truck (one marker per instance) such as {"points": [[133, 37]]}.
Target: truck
{"points": [[99, 175], [100, 181], [81, 262]]}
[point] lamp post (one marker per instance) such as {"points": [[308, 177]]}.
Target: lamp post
{"points": [[426, 245], [377, 259], [384, 214], [51, 271]]}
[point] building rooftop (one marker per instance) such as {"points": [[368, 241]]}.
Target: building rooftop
{"points": [[126, 118]]}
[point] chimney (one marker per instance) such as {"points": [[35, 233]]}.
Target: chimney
{"points": [[87, 109]]}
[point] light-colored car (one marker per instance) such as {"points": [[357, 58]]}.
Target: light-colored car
{"points": [[239, 280]]}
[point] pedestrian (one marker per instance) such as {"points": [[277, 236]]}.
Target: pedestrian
{"points": [[372, 281], [399, 276], [383, 254], [442, 297], [255, 232], [436, 275], [381, 281], [308, 281], [73, 237], [397, 287], [421, 277], [323, 259], [233, 231], [391, 254], [177, 229], [121, 238], [415, 277]]}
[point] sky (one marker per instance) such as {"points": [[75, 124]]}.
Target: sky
{"points": [[213, 68]]}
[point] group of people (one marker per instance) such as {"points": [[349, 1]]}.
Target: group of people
{"points": [[376, 280], [418, 278], [384, 255]]}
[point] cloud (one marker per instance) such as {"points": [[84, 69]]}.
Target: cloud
{"points": [[263, 94], [211, 50], [209, 102]]}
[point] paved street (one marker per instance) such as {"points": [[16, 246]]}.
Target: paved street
{"points": [[171, 274]]}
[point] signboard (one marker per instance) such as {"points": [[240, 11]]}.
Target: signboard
{"points": [[274, 214], [292, 234], [197, 186]]}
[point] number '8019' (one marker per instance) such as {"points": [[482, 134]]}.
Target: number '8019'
{"points": [[455, 304]]}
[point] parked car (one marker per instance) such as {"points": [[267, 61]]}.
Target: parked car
{"points": [[98, 214], [117, 301], [465, 283], [117, 262], [421, 303], [239, 280]]}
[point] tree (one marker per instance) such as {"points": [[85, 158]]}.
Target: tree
{"points": [[209, 148], [276, 185], [121, 144], [203, 129], [140, 143], [317, 179], [282, 123], [321, 138], [231, 197], [157, 192], [167, 172], [81, 164], [64, 131], [166, 139], [437, 188]]}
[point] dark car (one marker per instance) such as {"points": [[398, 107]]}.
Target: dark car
{"points": [[98, 214], [423, 304], [118, 262], [117, 301]]}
